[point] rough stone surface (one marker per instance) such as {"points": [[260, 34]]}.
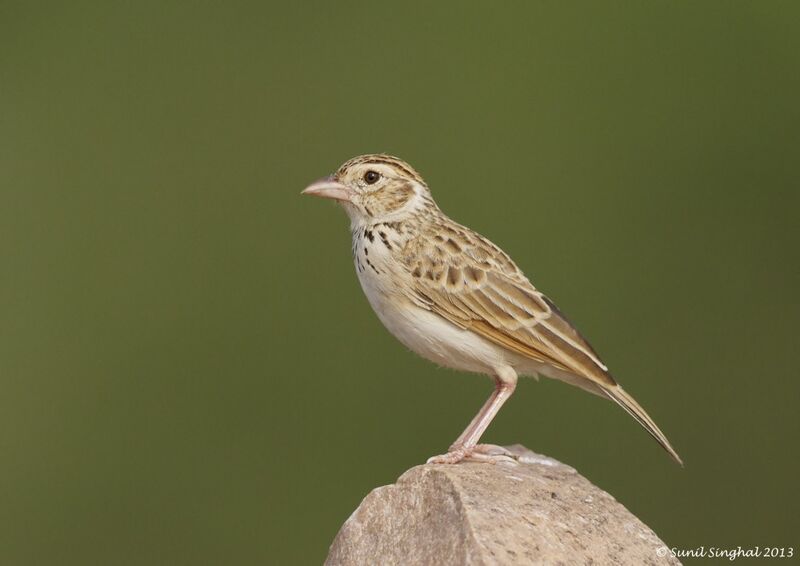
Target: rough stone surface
{"points": [[537, 511]]}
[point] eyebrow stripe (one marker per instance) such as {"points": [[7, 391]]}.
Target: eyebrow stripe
{"points": [[382, 159]]}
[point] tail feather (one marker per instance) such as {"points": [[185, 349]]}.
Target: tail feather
{"points": [[621, 397]]}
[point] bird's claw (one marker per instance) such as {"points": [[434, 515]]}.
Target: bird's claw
{"points": [[480, 453], [453, 456]]}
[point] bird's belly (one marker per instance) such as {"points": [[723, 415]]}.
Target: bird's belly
{"points": [[428, 334]]}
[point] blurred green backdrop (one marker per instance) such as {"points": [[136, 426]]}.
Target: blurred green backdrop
{"points": [[189, 373]]}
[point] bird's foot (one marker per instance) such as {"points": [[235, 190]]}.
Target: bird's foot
{"points": [[453, 456], [480, 453]]}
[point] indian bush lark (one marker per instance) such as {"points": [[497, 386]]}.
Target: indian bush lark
{"points": [[457, 299]]}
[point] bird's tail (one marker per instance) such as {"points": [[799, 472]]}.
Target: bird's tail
{"points": [[618, 395]]}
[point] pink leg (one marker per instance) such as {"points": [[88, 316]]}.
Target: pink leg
{"points": [[465, 445]]}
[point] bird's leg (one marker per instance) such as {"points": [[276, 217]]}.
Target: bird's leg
{"points": [[466, 446]]}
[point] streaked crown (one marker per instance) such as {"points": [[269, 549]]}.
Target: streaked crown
{"points": [[401, 167]]}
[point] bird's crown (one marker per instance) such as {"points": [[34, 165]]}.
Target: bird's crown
{"points": [[400, 167]]}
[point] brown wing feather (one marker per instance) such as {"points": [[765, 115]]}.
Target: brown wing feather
{"points": [[481, 289], [496, 301]]}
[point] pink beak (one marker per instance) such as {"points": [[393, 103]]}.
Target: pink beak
{"points": [[328, 187]]}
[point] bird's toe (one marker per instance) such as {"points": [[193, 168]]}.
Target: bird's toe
{"points": [[454, 456]]}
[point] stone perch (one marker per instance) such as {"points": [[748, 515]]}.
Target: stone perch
{"points": [[536, 511]]}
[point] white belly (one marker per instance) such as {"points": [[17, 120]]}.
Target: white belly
{"points": [[434, 338], [426, 333]]}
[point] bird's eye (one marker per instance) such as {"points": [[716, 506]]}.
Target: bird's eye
{"points": [[371, 177]]}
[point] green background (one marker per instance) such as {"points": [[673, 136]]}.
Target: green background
{"points": [[189, 373]]}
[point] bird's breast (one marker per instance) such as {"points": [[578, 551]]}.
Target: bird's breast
{"points": [[384, 279], [379, 273]]}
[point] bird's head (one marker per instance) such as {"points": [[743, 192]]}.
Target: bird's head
{"points": [[375, 188]]}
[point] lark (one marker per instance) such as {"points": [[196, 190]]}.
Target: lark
{"points": [[458, 300]]}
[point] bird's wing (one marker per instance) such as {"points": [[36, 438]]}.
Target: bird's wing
{"points": [[472, 283], [476, 286]]}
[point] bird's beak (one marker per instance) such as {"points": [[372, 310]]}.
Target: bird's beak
{"points": [[329, 188]]}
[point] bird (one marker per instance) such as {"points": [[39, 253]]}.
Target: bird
{"points": [[455, 298]]}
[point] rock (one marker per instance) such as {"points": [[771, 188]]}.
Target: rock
{"points": [[535, 511]]}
